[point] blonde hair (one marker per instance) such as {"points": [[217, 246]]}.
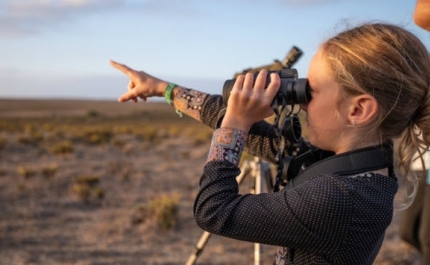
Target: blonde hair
{"points": [[392, 65]]}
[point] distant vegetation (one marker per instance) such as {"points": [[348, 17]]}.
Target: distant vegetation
{"points": [[59, 131], [162, 210]]}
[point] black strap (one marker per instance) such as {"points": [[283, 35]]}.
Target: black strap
{"points": [[349, 163]]}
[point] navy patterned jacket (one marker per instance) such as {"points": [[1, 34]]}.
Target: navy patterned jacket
{"points": [[328, 219]]}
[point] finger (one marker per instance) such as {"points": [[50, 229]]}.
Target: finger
{"points": [[260, 81], [238, 84], [127, 96], [274, 85], [248, 83], [122, 99], [123, 68]]}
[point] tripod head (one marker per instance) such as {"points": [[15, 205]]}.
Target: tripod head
{"points": [[292, 91], [291, 58]]}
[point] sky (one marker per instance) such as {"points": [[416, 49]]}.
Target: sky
{"points": [[60, 49]]}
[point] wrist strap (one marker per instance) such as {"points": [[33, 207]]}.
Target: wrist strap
{"points": [[168, 96], [168, 92]]}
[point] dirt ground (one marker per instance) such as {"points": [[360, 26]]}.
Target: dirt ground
{"points": [[44, 221]]}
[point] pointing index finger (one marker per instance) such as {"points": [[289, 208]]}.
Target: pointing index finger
{"points": [[123, 68]]}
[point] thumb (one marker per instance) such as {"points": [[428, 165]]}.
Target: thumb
{"points": [[127, 96]]}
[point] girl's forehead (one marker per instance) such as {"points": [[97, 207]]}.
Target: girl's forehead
{"points": [[319, 74], [317, 67]]}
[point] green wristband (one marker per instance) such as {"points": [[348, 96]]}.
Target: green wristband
{"points": [[168, 92], [168, 96]]}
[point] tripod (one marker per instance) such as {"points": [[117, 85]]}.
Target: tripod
{"points": [[259, 170]]}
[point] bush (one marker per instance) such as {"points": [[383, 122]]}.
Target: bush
{"points": [[31, 138], [93, 114], [49, 171], [61, 148], [82, 191], [147, 135], [163, 209], [97, 136], [90, 181], [86, 186], [26, 172]]}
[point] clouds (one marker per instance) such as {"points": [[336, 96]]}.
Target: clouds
{"points": [[20, 18], [27, 17]]}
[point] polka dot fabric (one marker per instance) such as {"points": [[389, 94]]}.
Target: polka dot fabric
{"points": [[328, 219]]}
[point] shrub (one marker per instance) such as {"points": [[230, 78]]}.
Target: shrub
{"points": [[49, 171], [90, 181], [119, 143], [93, 114], [64, 147], [97, 136], [30, 138], [86, 186], [163, 209], [99, 193], [47, 127], [26, 172], [82, 191], [29, 128], [148, 135]]}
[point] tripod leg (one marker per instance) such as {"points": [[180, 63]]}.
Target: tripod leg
{"points": [[261, 173], [244, 170], [257, 254], [199, 247], [267, 174], [258, 171]]}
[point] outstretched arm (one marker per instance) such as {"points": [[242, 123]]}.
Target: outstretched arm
{"points": [[143, 86], [262, 139]]}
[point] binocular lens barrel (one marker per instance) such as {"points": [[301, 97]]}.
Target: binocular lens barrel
{"points": [[292, 90]]}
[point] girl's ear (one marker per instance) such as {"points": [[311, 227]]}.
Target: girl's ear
{"points": [[362, 109]]}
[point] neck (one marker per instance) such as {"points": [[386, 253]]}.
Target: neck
{"points": [[353, 142]]}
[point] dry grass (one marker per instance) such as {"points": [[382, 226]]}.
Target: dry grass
{"points": [[74, 173], [163, 210], [86, 187]]}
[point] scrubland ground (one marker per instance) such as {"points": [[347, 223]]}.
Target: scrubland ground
{"points": [[97, 182]]}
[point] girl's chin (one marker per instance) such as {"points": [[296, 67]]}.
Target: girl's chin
{"points": [[312, 141]]}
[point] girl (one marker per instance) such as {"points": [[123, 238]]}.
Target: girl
{"points": [[369, 85]]}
